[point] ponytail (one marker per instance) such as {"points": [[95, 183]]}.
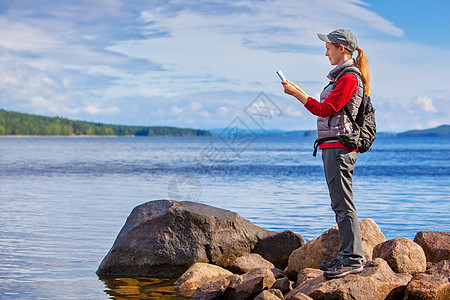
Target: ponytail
{"points": [[363, 66]]}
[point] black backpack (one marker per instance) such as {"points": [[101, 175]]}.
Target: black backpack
{"points": [[364, 126]]}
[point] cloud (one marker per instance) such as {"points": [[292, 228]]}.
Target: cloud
{"points": [[293, 111], [137, 62], [426, 104], [222, 110], [176, 110], [196, 106], [96, 110]]}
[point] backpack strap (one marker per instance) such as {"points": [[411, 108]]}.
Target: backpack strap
{"points": [[360, 108], [318, 142]]}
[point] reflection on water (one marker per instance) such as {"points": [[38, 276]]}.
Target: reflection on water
{"points": [[141, 288]]}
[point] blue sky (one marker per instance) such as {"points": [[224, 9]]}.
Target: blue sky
{"points": [[200, 64]]}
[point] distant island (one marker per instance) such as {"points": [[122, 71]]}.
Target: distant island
{"points": [[443, 131], [15, 123], [266, 133]]}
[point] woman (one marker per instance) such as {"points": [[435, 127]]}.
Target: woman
{"points": [[346, 88]]}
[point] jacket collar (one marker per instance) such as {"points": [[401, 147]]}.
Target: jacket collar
{"points": [[336, 71]]}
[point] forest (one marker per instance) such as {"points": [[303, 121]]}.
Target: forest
{"points": [[15, 123]]}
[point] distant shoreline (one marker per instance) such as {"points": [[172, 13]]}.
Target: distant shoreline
{"points": [[88, 136], [58, 136]]}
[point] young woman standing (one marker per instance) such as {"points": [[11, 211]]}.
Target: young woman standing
{"points": [[347, 89]]}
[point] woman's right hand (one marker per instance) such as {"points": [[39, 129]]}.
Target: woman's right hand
{"points": [[292, 89], [289, 87]]}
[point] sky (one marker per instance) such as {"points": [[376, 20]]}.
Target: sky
{"points": [[211, 64]]}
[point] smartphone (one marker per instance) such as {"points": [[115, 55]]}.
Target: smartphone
{"points": [[281, 75]]}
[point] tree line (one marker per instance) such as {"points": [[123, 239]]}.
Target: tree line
{"points": [[15, 123]]}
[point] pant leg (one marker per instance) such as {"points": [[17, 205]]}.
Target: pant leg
{"points": [[339, 165]]}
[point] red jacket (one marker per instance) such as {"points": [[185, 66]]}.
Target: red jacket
{"points": [[345, 88]]}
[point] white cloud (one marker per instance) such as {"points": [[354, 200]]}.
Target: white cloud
{"points": [[196, 106], [426, 104], [147, 58], [96, 110], [176, 110], [223, 111], [293, 111]]}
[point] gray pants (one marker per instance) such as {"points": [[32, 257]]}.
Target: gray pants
{"points": [[339, 165]]}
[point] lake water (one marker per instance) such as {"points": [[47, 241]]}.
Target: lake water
{"points": [[64, 200]]}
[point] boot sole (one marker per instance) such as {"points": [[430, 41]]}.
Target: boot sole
{"points": [[334, 276]]}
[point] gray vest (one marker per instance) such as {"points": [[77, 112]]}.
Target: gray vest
{"points": [[339, 123]]}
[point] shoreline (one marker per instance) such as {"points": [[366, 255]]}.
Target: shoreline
{"points": [[89, 136], [60, 136]]}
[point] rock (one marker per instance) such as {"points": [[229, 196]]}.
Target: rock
{"points": [[197, 275], [250, 284], [272, 294], [249, 262], [402, 255], [164, 238], [307, 274], [325, 248], [277, 248], [434, 284], [297, 296], [214, 289], [283, 284], [278, 273], [435, 244], [375, 283], [397, 293]]}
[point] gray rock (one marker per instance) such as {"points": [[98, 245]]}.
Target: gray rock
{"points": [[277, 248], [164, 238], [435, 244], [402, 255]]}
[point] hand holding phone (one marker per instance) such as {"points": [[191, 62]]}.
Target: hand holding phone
{"points": [[281, 75]]}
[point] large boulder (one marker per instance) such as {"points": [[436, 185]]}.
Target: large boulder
{"points": [[326, 247], [164, 238], [249, 262], [197, 275], [277, 248], [402, 255], [435, 244], [375, 283], [434, 284]]}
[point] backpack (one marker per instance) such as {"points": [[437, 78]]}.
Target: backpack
{"points": [[364, 126]]}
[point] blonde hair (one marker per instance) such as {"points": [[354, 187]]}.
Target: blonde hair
{"points": [[363, 66]]}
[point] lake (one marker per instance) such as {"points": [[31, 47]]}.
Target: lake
{"points": [[64, 200]]}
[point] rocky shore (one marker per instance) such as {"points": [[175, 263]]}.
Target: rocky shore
{"points": [[216, 254]]}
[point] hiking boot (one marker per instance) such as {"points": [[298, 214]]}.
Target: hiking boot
{"points": [[340, 270], [326, 266]]}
